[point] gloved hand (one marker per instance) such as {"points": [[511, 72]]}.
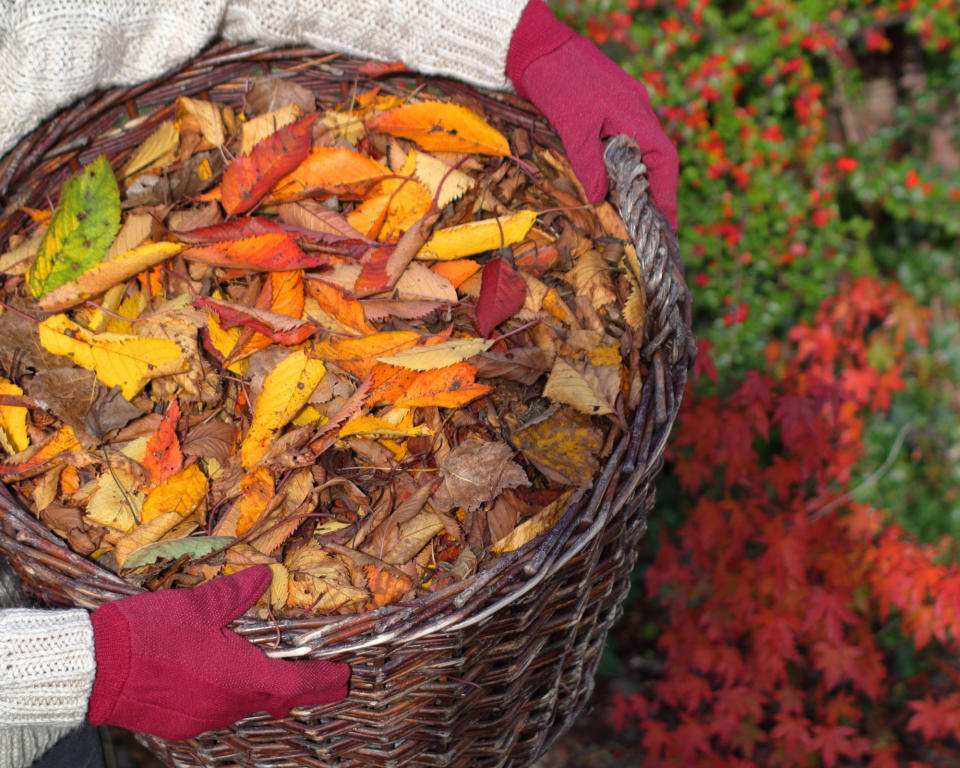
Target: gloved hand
{"points": [[168, 666], [586, 97]]}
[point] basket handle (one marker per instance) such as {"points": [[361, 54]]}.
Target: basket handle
{"points": [[658, 252]]}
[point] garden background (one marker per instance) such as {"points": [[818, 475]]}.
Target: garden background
{"points": [[797, 601], [798, 598]]}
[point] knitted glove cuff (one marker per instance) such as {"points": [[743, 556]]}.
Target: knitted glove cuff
{"points": [[111, 637]]}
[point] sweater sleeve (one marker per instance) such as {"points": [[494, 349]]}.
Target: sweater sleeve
{"points": [[47, 666], [54, 51], [466, 39]]}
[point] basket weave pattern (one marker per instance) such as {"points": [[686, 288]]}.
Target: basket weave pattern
{"points": [[490, 671]]}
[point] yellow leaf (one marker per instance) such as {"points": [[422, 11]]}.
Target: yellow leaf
{"points": [[262, 126], [443, 127], [286, 389], [106, 274], [438, 355], [309, 415], [157, 151], [181, 493], [117, 359], [371, 425], [635, 309], [345, 125], [392, 209], [477, 236], [130, 308], [590, 389], [530, 529], [446, 184], [13, 421], [208, 117], [116, 503], [224, 340]]}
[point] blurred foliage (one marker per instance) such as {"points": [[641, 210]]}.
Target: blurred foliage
{"points": [[818, 141]]}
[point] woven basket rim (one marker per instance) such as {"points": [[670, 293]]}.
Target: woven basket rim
{"points": [[636, 458]]}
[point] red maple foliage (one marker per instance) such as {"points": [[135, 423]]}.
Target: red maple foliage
{"points": [[785, 603]]}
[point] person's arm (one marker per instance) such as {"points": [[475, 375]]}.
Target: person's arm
{"points": [[46, 673], [52, 53], [162, 663]]}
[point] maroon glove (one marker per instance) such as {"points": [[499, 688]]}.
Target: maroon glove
{"points": [[586, 97], [167, 665]]}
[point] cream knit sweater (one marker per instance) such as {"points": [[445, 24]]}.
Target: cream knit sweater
{"points": [[54, 51]]}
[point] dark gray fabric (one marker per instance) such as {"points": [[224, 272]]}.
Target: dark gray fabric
{"points": [[81, 748]]}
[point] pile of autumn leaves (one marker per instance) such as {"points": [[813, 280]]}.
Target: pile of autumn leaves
{"points": [[364, 346]]}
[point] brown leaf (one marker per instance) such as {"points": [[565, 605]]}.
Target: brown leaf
{"points": [[214, 439], [269, 93], [476, 472], [522, 364]]}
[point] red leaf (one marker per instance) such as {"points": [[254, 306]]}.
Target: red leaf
{"points": [[279, 328], [249, 177], [234, 229], [502, 293], [269, 252], [380, 68], [163, 457]]}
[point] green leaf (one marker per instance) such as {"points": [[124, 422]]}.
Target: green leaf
{"points": [[83, 226], [173, 549]]}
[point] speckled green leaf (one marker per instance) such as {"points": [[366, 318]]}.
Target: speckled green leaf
{"points": [[82, 228]]}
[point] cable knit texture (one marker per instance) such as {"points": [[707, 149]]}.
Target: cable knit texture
{"points": [[46, 674], [54, 51]]}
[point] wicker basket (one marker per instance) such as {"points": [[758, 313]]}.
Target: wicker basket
{"points": [[490, 671]]}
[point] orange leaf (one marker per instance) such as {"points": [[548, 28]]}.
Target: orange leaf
{"points": [[334, 169], [285, 292], [163, 457], [441, 127], [448, 387], [266, 253], [389, 383], [346, 311], [456, 271], [256, 491], [386, 586], [358, 356], [64, 440], [397, 204], [249, 177]]}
